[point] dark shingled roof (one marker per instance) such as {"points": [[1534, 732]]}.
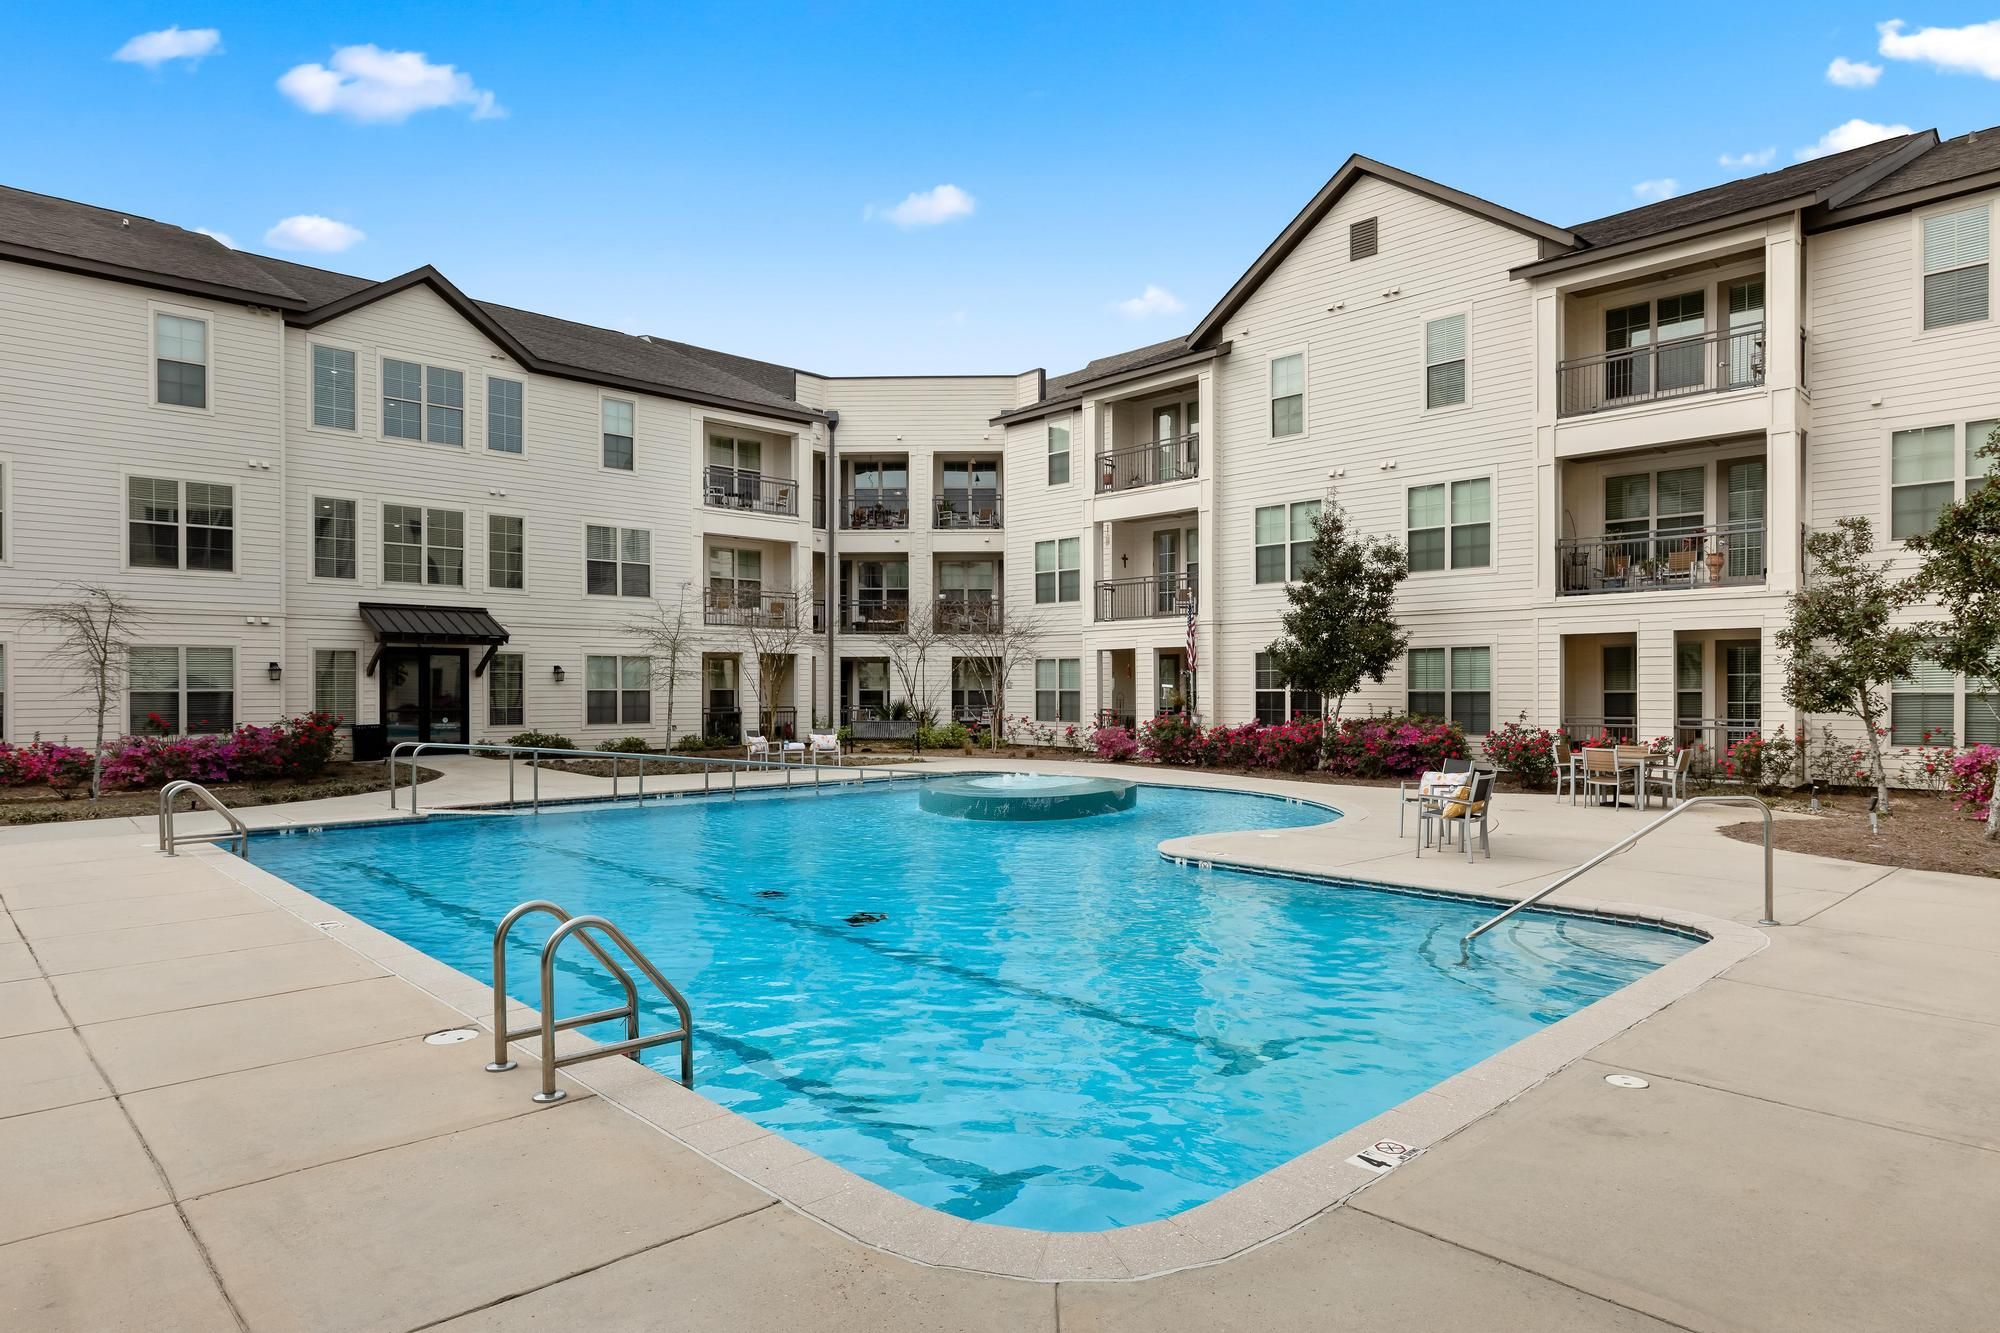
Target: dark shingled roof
{"points": [[1720, 201], [766, 375], [62, 229], [1954, 159], [1061, 389]]}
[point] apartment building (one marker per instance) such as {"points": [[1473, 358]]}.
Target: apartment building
{"points": [[1602, 444]]}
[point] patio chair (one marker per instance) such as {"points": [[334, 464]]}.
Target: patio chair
{"points": [[755, 746], [1641, 760], [1409, 794], [1470, 805], [824, 743], [1671, 780], [1566, 768], [1601, 769]]}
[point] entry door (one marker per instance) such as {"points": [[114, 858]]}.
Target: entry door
{"points": [[1166, 447], [1167, 566], [424, 694], [1743, 669], [1170, 681], [1743, 491], [1746, 333]]}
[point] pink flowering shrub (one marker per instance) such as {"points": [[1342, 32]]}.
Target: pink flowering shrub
{"points": [[297, 748], [1171, 739], [1289, 747], [1114, 743], [63, 769], [1393, 747], [1527, 752], [1971, 780]]}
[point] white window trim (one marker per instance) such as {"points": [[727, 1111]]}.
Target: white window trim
{"points": [[652, 550], [518, 376], [1451, 646], [1271, 357], [632, 471], [152, 382], [466, 374], [1886, 492], [1035, 690], [360, 544], [1068, 423], [1492, 564], [1424, 321], [362, 652], [486, 690], [124, 717], [486, 552], [125, 565], [1284, 545], [9, 521], [1058, 571], [1916, 280], [361, 354], [621, 656], [474, 524]]}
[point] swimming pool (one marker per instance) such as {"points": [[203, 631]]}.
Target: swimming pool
{"points": [[1040, 1024]]}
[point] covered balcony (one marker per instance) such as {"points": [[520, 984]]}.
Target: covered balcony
{"points": [[874, 595], [1154, 569], [1151, 441], [745, 471], [968, 494], [1664, 521], [747, 605], [875, 493]]}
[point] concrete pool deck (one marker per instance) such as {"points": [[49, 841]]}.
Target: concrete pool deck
{"points": [[215, 1114]]}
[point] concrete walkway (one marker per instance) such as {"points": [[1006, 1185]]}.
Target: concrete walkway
{"points": [[215, 1115]]}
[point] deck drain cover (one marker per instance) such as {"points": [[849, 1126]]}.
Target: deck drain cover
{"points": [[1626, 1081], [451, 1036]]}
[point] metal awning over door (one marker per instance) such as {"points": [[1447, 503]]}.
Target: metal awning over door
{"points": [[402, 625]]}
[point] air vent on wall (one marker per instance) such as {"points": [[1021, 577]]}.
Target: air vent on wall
{"points": [[1361, 239]]}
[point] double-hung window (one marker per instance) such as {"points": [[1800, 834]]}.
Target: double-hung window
{"points": [[735, 578], [1284, 540], [1444, 361], [1288, 394], [1059, 570], [333, 683], [617, 423], [422, 402], [333, 538], [332, 387], [1454, 683], [180, 360], [1921, 706], [1451, 525], [1955, 268], [1276, 701], [506, 691], [617, 690], [1059, 689], [617, 562], [181, 691], [423, 545], [506, 549], [164, 533], [1920, 479], [503, 415], [1058, 454]]}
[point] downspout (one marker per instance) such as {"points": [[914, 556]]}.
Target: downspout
{"points": [[832, 589]]}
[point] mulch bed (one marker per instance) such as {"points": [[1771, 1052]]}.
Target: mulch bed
{"points": [[1921, 832], [627, 768], [39, 805]]}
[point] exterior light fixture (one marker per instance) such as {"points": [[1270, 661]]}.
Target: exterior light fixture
{"points": [[276, 672], [559, 673]]}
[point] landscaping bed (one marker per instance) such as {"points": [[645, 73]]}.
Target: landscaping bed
{"points": [[40, 805], [628, 767], [1922, 832]]}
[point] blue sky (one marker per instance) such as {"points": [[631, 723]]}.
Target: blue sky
{"points": [[767, 179]]}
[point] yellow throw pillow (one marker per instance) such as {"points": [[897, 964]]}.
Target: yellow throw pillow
{"points": [[1457, 808]]}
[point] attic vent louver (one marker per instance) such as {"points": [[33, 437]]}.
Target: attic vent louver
{"points": [[1361, 239]]}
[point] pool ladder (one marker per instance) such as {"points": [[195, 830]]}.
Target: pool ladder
{"points": [[583, 927], [238, 836]]}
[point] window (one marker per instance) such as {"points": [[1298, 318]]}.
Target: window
{"points": [[333, 683], [1361, 239], [1920, 479], [333, 538], [159, 529], [1059, 689], [735, 578], [1451, 525], [1977, 433], [1059, 570], [1455, 683], [1689, 695], [423, 545], [1284, 538], [1921, 706], [618, 434], [422, 402], [1982, 712], [503, 415], [506, 692], [1444, 361], [617, 690], [1288, 394], [972, 688], [333, 387], [1621, 689], [1276, 702], [505, 550], [1955, 267], [1058, 454], [180, 359], [617, 562], [182, 691]]}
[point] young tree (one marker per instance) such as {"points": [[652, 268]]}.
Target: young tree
{"points": [[1961, 574], [94, 630], [910, 650], [669, 639], [1006, 641], [1840, 646], [1341, 626], [774, 637]]}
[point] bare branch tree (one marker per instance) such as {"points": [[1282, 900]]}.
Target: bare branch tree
{"points": [[910, 650], [1006, 641], [772, 632], [669, 639], [94, 630]]}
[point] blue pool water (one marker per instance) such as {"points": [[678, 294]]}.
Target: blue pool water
{"points": [[1050, 1026]]}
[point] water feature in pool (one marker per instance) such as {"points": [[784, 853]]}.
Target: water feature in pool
{"points": [[1042, 1023]]}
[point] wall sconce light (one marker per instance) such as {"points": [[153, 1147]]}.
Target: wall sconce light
{"points": [[276, 672], [559, 673]]}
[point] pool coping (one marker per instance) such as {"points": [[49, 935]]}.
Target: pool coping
{"points": [[1255, 1213]]}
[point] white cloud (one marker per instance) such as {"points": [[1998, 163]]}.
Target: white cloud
{"points": [[1849, 134], [1845, 73], [927, 208], [222, 237], [1155, 300], [1973, 49], [154, 49], [1761, 157], [369, 84], [310, 231], [1653, 191]]}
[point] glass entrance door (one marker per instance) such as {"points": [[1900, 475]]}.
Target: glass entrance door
{"points": [[1167, 568], [1743, 670], [424, 695]]}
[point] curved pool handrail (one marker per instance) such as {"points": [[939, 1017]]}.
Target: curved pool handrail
{"points": [[239, 832], [633, 1044], [502, 1036]]}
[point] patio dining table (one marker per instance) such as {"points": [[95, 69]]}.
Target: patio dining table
{"points": [[1641, 761]]}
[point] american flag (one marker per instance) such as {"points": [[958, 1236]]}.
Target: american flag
{"points": [[1190, 639]]}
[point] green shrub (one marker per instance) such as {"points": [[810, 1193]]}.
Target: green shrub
{"points": [[695, 744], [627, 745], [541, 740], [951, 737]]}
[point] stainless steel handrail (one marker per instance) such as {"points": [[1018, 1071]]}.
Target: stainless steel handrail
{"points": [[1770, 917], [410, 750], [502, 1035], [239, 832], [633, 1043]]}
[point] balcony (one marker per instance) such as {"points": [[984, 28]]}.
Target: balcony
{"points": [[1711, 363], [1151, 464], [1661, 560], [875, 615], [968, 511], [966, 615], [876, 510], [727, 724], [750, 608], [737, 488], [1152, 597]]}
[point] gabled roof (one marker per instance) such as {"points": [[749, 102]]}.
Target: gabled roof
{"points": [[1342, 181], [1964, 158], [1062, 392]]}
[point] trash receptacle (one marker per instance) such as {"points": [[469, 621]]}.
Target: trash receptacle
{"points": [[371, 742]]}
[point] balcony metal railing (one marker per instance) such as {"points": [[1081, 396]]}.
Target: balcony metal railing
{"points": [[968, 509], [966, 615], [750, 607], [1658, 559], [876, 509], [729, 723], [875, 615], [1709, 738], [737, 488], [1707, 363], [1151, 596], [1149, 464], [1585, 730]]}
